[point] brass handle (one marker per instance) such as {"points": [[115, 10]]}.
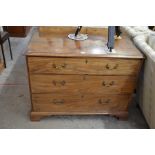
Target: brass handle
{"points": [[108, 84], [101, 101], [61, 83], [59, 66], [111, 67], [56, 101]]}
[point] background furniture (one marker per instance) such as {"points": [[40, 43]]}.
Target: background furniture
{"points": [[3, 37], [133, 31], [146, 90], [1, 65], [17, 31], [146, 86], [70, 77], [152, 28], [1, 28]]}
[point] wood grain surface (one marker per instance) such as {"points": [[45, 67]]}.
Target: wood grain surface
{"points": [[77, 103], [58, 44], [98, 66], [82, 84], [1, 65], [69, 77]]}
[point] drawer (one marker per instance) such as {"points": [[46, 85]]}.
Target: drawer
{"points": [[82, 83], [79, 103], [98, 66]]}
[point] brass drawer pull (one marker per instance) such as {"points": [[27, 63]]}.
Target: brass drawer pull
{"points": [[62, 66], [108, 67], [108, 84], [101, 101], [59, 102], [61, 83]]}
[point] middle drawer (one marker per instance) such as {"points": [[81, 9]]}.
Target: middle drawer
{"points": [[82, 83]]}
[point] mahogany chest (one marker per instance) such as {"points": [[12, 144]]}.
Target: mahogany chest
{"points": [[69, 77], [17, 31]]}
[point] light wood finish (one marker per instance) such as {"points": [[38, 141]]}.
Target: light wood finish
{"points": [[79, 77], [1, 66], [59, 30], [37, 116], [98, 66], [82, 83], [87, 103], [55, 30], [95, 46]]}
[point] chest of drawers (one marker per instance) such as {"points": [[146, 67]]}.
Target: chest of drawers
{"points": [[78, 77], [1, 65], [17, 31]]}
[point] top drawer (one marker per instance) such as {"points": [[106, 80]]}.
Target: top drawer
{"points": [[98, 66]]}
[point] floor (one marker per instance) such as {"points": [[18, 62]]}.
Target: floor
{"points": [[15, 101]]}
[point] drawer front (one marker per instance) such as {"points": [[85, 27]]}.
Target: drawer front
{"points": [[99, 66], [82, 83], [79, 103]]}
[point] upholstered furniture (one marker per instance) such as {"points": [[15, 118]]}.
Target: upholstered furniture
{"points": [[70, 77], [133, 31], [145, 42], [4, 36], [146, 88]]}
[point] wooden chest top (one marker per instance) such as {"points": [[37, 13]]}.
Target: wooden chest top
{"points": [[59, 45]]}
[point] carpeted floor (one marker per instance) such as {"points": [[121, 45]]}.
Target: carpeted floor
{"points": [[15, 100]]}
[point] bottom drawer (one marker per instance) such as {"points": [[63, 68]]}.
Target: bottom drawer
{"points": [[58, 103]]}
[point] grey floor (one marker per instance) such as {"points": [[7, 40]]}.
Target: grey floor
{"points": [[15, 100]]}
